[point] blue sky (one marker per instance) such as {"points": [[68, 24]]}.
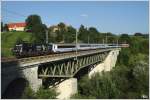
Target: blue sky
{"points": [[109, 16]]}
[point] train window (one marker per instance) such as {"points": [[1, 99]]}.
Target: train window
{"points": [[38, 48], [49, 47], [66, 46], [85, 45]]}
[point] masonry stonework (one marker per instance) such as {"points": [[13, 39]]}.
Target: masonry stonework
{"points": [[107, 64]]}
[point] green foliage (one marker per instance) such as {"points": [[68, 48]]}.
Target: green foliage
{"points": [[39, 33], [40, 94], [70, 35], [124, 56], [140, 71], [64, 34], [93, 35], [138, 34], [83, 34], [139, 45], [124, 38], [99, 86], [5, 28], [104, 86], [34, 24], [61, 32], [90, 35], [31, 21], [59, 37], [2, 26], [128, 80], [28, 93], [79, 96], [46, 93]]}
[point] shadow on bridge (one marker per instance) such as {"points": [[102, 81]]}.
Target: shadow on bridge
{"points": [[15, 89]]}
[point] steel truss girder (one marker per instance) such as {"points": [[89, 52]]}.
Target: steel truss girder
{"points": [[69, 67]]}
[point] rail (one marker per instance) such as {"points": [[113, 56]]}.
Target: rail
{"points": [[54, 57]]}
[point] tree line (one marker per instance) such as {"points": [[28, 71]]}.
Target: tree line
{"points": [[67, 34]]}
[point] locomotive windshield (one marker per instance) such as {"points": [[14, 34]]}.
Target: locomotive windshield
{"points": [[18, 47]]}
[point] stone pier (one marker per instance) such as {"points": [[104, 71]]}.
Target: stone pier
{"points": [[107, 64], [67, 88]]}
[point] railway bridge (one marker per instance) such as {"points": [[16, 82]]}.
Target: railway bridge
{"points": [[49, 68]]}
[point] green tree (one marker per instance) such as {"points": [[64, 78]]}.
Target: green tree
{"points": [[6, 28], [138, 34], [141, 75], [144, 48], [2, 26], [99, 86], [93, 36], [124, 56], [111, 38], [124, 38], [39, 33], [83, 32], [51, 35], [70, 35], [136, 45], [61, 31], [59, 36], [34, 24], [31, 21], [119, 76]]}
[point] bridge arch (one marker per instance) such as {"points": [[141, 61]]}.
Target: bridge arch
{"points": [[15, 88]]}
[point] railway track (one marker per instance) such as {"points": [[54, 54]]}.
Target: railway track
{"points": [[10, 59]]}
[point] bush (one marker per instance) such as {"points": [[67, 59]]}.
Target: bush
{"points": [[40, 94], [98, 87], [28, 93], [46, 93]]}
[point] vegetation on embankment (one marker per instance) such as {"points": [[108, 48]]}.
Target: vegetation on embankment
{"points": [[128, 80], [40, 94], [9, 39]]}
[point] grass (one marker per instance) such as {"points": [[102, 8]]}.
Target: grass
{"points": [[8, 40]]}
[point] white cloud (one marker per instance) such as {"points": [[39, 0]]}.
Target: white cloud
{"points": [[84, 15]]}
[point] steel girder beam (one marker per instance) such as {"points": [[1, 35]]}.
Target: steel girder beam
{"points": [[70, 67]]}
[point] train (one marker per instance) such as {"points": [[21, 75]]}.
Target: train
{"points": [[28, 49]]}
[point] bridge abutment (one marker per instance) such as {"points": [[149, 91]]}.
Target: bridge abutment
{"points": [[29, 74]]}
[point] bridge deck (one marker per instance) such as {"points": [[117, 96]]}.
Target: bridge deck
{"points": [[54, 57], [49, 58]]}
